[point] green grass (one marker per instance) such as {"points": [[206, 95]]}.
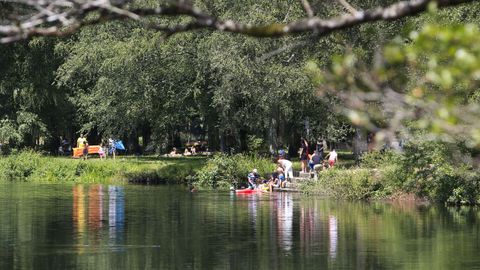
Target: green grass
{"points": [[28, 166]]}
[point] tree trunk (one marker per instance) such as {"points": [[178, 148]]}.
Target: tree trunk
{"points": [[360, 144]]}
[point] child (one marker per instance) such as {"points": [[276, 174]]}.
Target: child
{"points": [[85, 150], [101, 152], [282, 181], [332, 158]]}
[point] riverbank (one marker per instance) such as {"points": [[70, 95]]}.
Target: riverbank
{"points": [[380, 176], [29, 166]]}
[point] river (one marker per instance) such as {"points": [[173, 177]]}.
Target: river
{"points": [[166, 227]]}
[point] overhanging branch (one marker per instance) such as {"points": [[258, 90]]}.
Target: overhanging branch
{"points": [[64, 17]]}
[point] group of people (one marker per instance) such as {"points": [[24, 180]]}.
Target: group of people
{"points": [[284, 171], [315, 161], [277, 180], [102, 151], [189, 151]]}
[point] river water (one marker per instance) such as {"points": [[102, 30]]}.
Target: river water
{"points": [[166, 227]]}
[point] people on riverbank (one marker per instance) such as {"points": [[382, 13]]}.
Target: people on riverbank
{"points": [[303, 151], [112, 150], [315, 160], [286, 165], [273, 181], [85, 150], [101, 152], [81, 141], [252, 177], [332, 158]]}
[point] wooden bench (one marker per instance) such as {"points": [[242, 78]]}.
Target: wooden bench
{"points": [[92, 149]]}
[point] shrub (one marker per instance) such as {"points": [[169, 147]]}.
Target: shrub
{"points": [[19, 166], [376, 159], [350, 184], [437, 171], [222, 170]]}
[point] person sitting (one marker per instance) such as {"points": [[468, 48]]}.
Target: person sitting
{"points": [[174, 153], [252, 179], [273, 181], [186, 152], [265, 186]]}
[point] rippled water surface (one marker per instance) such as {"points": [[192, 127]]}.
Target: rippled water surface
{"points": [[166, 227]]}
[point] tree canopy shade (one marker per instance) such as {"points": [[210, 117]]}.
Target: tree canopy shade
{"points": [[120, 77]]}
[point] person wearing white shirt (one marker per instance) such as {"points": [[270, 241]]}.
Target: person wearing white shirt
{"points": [[332, 158], [287, 167]]}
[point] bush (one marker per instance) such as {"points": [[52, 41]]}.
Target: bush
{"points": [[19, 166], [358, 184], [222, 170], [376, 159], [436, 171], [31, 166]]}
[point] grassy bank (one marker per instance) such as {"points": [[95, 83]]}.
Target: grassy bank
{"points": [[28, 166], [431, 172], [425, 171]]}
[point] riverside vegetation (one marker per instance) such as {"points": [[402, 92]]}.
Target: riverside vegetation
{"points": [[30, 166], [438, 172]]}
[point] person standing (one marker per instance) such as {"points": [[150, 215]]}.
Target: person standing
{"points": [[85, 150], [332, 158], [112, 149], [83, 145], [304, 154], [81, 141]]}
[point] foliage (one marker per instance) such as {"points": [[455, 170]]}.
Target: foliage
{"points": [[440, 172], [356, 184], [19, 167], [428, 83], [255, 144], [223, 171], [375, 159], [29, 166]]}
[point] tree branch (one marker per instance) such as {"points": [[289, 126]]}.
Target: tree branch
{"points": [[307, 7], [64, 17]]}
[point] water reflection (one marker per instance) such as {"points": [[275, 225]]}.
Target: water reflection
{"points": [[310, 236], [95, 210], [116, 213], [79, 210], [333, 236], [162, 228], [285, 220], [87, 213]]}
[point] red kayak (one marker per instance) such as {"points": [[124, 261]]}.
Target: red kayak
{"points": [[247, 191]]}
